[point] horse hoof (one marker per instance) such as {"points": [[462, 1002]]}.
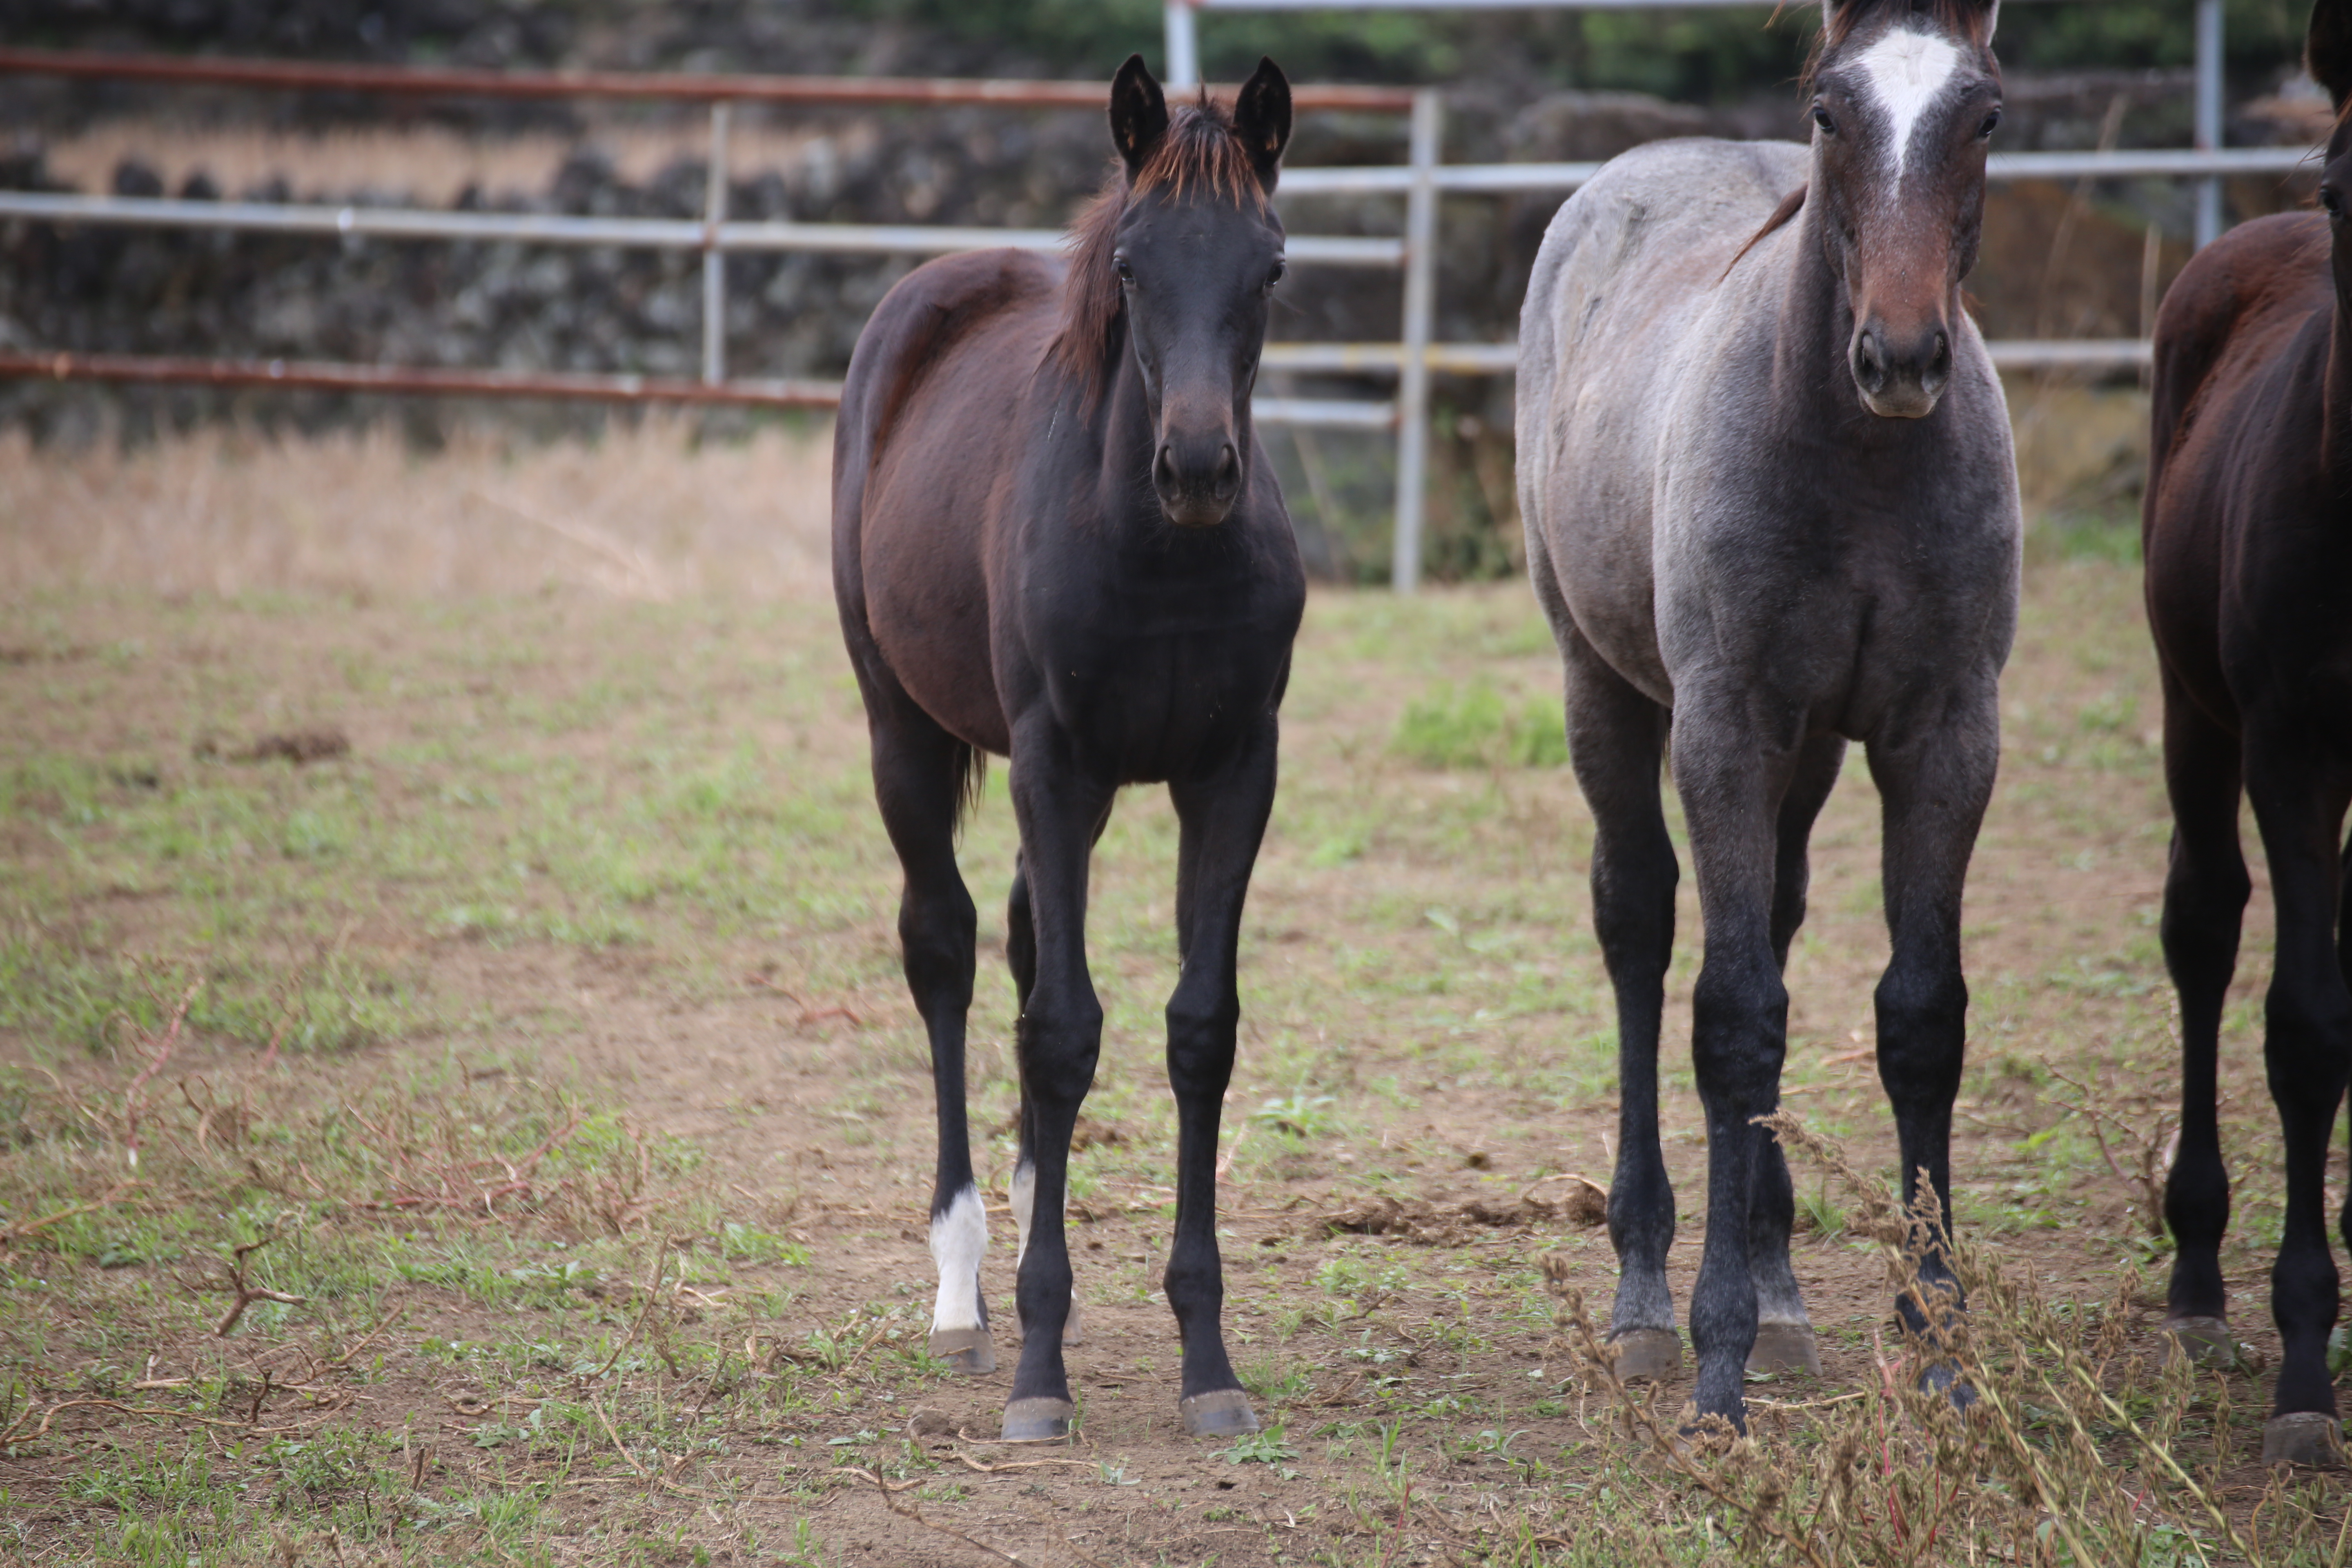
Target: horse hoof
{"points": [[2205, 1342], [1647, 1355], [1038, 1420], [1785, 1347], [964, 1350], [1223, 1412], [2306, 1438]]}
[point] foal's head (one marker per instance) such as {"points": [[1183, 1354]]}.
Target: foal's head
{"points": [[1175, 266], [1905, 95]]}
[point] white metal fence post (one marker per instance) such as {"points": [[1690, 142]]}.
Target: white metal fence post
{"points": [[1420, 302], [714, 259], [1183, 45], [2209, 117]]}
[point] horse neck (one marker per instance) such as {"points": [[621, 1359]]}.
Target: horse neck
{"points": [[1816, 325], [1123, 426]]}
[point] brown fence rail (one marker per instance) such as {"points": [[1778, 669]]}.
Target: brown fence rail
{"points": [[689, 86]]}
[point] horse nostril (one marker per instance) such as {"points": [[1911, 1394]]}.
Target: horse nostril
{"points": [[1163, 467], [1869, 369], [1941, 365], [1229, 468]]}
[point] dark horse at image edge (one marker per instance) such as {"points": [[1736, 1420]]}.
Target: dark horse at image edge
{"points": [[1056, 539], [1770, 507], [2248, 535]]}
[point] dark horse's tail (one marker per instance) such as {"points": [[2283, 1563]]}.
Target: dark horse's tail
{"points": [[971, 765]]}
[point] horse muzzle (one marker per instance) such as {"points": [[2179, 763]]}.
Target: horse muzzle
{"points": [[1900, 374], [1198, 477]]}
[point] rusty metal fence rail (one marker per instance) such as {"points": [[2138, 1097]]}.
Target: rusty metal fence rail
{"points": [[1420, 180]]}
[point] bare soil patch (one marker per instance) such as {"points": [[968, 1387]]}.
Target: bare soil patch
{"points": [[552, 1042]]}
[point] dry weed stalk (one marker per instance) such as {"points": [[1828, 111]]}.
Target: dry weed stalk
{"points": [[246, 1292], [2151, 1151], [2068, 1453], [159, 1051]]}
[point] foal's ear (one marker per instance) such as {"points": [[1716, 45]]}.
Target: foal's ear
{"points": [[1262, 116], [2328, 49], [1138, 114]]}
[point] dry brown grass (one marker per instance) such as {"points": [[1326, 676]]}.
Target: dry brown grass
{"points": [[643, 512]]}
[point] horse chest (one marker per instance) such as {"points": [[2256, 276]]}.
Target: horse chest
{"points": [[1151, 687]]}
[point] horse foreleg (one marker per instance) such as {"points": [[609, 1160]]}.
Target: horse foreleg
{"points": [[1059, 1039], [2299, 800], [2204, 909], [1935, 776], [918, 779], [1732, 778], [1616, 739], [1223, 820]]}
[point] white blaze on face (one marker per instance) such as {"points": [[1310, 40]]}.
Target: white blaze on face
{"points": [[959, 1236], [1907, 72]]}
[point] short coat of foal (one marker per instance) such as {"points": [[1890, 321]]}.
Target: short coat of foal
{"points": [[1772, 508], [1056, 539]]}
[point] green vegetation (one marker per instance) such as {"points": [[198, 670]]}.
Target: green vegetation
{"points": [[1473, 726], [576, 1214]]}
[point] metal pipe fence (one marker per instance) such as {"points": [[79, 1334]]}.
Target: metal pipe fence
{"points": [[1420, 180]]}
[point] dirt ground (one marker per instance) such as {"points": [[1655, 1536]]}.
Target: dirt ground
{"points": [[550, 1038]]}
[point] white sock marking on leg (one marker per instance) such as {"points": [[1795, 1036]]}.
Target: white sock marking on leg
{"points": [[1907, 72], [959, 1236]]}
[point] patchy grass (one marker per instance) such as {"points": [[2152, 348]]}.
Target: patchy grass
{"points": [[545, 1085]]}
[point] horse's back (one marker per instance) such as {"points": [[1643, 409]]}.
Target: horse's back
{"points": [[928, 423], [2240, 353]]}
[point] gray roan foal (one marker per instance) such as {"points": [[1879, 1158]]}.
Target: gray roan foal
{"points": [[1770, 508]]}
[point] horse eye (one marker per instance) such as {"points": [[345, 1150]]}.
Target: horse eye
{"points": [[1125, 273], [2330, 199], [1821, 117], [1991, 121], [1276, 276]]}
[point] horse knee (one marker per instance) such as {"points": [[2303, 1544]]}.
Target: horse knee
{"points": [[1060, 1041], [1922, 1028], [1739, 1034], [2307, 1029], [1200, 1041], [2204, 908], [1633, 901], [936, 932]]}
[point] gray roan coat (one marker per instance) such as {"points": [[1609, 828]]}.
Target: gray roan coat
{"points": [[1771, 507]]}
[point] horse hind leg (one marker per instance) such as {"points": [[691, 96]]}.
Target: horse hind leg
{"points": [[2205, 892], [1616, 742], [1020, 954], [918, 777], [1785, 1340]]}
